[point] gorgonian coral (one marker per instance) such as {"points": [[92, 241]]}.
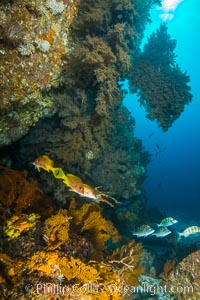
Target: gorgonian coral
{"points": [[18, 194], [33, 262], [88, 219], [57, 229]]}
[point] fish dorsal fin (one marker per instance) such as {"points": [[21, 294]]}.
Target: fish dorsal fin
{"points": [[48, 161]]}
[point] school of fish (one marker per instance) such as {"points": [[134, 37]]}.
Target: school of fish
{"points": [[163, 230]]}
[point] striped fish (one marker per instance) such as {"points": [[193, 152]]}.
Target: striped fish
{"points": [[162, 231], [189, 231], [143, 231], [167, 222]]}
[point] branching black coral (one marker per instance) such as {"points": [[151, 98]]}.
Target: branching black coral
{"points": [[161, 85]]}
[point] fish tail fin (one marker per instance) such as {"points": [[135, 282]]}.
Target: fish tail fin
{"points": [[58, 173], [179, 236]]}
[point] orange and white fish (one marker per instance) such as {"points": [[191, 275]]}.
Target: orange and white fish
{"points": [[89, 192], [84, 190], [75, 183], [43, 162]]}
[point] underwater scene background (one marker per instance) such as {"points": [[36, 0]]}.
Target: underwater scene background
{"points": [[99, 149], [179, 163]]}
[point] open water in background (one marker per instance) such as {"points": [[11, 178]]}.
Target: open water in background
{"points": [[173, 183]]}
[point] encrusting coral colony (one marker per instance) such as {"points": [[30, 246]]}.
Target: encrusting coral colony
{"points": [[62, 63]]}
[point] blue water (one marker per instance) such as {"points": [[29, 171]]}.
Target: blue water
{"points": [[173, 182]]}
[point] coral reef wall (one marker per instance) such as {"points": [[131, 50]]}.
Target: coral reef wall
{"points": [[34, 37], [92, 133], [184, 278], [86, 130]]}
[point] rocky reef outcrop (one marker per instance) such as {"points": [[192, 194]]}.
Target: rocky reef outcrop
{"points": [[34, 38]]}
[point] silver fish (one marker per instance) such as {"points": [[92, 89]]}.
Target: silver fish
{"points": [[143, 231], [168, 222], [162, 231], [190, 230]]}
